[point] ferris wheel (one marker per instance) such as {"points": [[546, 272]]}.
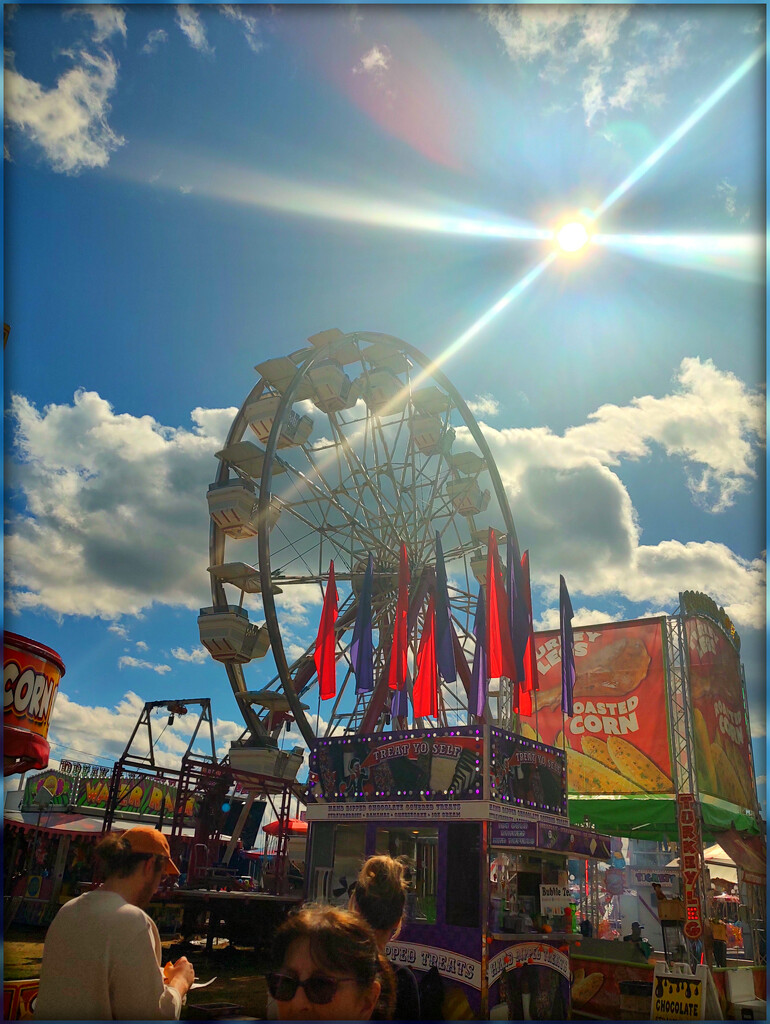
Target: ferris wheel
{"points": [[345, 450]]}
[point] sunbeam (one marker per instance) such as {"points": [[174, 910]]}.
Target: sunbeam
{"points": [[681, 131], [210, 180], [735, 256], [502, 303]]}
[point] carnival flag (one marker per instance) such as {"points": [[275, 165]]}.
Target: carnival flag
{"points": [[499, 647], [530, 662], [477, 698], [397, 666], [324, 656], [567, 648], [424, 692], [399, 704], [361, 648], [445, 654], [517, 608]]}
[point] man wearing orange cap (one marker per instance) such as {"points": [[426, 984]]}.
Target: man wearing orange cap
{"points": [[102, 953]]}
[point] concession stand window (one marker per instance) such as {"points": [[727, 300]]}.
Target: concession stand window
{"points": [[420, 846]]}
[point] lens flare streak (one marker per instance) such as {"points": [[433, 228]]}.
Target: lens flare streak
{"points": [[682, 130], [736, 256]]}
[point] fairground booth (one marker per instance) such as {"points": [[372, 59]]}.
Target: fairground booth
{"points": [[535, 847], [481, 814]]}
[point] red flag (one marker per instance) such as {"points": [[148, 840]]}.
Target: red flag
{"points": [[530, 661], [397, 666], [501, 661], [324, 656], [424, 694]]}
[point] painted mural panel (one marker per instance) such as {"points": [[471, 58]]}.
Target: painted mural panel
{"points": [[720, 726], [617, 739]]}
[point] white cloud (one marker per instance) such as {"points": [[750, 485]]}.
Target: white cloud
{"points": [[119, 630], [624, 52], [583, 617], [185, 189], [78, 731], [115, 515], [108, 19], [375, 61], [191, 25], [484, 405], [128, 662], [141, 645], [248, 22], [68, 122], [727, 194], [154, 40], [579, 519], [197, 656]]}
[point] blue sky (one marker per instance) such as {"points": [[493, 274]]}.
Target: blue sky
{"points": [[190, 191]]}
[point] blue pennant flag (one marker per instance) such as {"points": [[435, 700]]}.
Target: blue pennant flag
{"points": [[445, 655], [567, 648], [517, 606], [361, 649], [480, 672]]}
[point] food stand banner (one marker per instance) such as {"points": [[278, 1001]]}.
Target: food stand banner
{"points": [[423, 764], [31, 676], [720, 723], [136, 796], [615, 741], [678, 996], [527, 773]]}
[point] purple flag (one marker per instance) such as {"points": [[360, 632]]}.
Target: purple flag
{"points": [[399, 703], [361, 648], [445, 655], [567, 648], [477, 698], [517, 607]]}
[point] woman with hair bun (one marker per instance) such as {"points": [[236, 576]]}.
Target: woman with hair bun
{"points": [[379, 896]]}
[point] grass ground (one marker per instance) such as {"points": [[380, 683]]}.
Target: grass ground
{"points": [[240, 976]]}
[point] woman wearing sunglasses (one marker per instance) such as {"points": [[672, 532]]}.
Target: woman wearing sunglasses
{"points": [[330, 968], [379, 896]]}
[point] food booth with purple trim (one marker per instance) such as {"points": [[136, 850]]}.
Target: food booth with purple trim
{"points": [[481, 814]]}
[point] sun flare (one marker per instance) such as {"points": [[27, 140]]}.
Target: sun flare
{"points": [[572, 237]]}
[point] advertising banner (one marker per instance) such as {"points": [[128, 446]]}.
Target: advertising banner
{"points": [[31, 675], [527, 773], [58, 785], [691, 848], [434, 764], [677, 996], [135, 796], [720, 726], [617, 739]]}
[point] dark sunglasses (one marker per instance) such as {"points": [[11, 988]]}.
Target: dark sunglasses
{"points": [[319, 989]]}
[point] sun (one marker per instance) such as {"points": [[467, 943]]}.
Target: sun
{"points": [[572, 237]]}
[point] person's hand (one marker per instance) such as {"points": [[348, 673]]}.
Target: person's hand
{"points": [[179, 975]]}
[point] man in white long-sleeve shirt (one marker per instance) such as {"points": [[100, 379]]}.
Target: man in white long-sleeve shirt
{"points": [[102, 952]]}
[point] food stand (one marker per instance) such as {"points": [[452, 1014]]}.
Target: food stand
{"points": [[481, 813]]}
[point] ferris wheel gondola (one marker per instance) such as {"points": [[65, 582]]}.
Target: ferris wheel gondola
{"points": [[347, 448]]}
